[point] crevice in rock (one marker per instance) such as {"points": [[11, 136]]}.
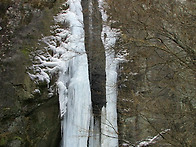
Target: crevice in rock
{"points": [[96, 54]]}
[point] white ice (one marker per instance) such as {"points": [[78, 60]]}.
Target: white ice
{"points": [[109, 114], [74, 88], [69, 60]]}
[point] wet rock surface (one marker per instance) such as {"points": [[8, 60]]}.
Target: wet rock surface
{"points": [[96, 54], [28, 117]]}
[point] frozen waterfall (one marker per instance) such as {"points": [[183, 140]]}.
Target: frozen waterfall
{"points": [[109, 114], [79, 122], [76, 119], [80, 127]]}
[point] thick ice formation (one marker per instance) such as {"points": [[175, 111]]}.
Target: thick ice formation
{"points": [[69, 60], [76, 119], [109, 114]]}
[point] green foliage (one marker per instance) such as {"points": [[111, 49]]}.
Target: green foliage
{"points": [[3, 141], [26, 52], [18, 138]]}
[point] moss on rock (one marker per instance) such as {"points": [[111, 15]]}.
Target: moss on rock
{"points": [[28, 117]]}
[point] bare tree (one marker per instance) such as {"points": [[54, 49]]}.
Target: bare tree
{"points": [[157, 83]]}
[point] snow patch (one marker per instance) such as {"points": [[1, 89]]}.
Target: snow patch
{"points": [[36, 91], [152, 140]]}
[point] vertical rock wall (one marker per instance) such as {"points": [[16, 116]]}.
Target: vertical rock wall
{"points": [[96, 53], [28, 117]]}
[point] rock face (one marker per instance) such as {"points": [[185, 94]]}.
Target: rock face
{"points": [[96, 53], [28, 117]]}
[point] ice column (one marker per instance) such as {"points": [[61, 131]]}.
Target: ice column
{"points": [[76, 119], [109, 129]]}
